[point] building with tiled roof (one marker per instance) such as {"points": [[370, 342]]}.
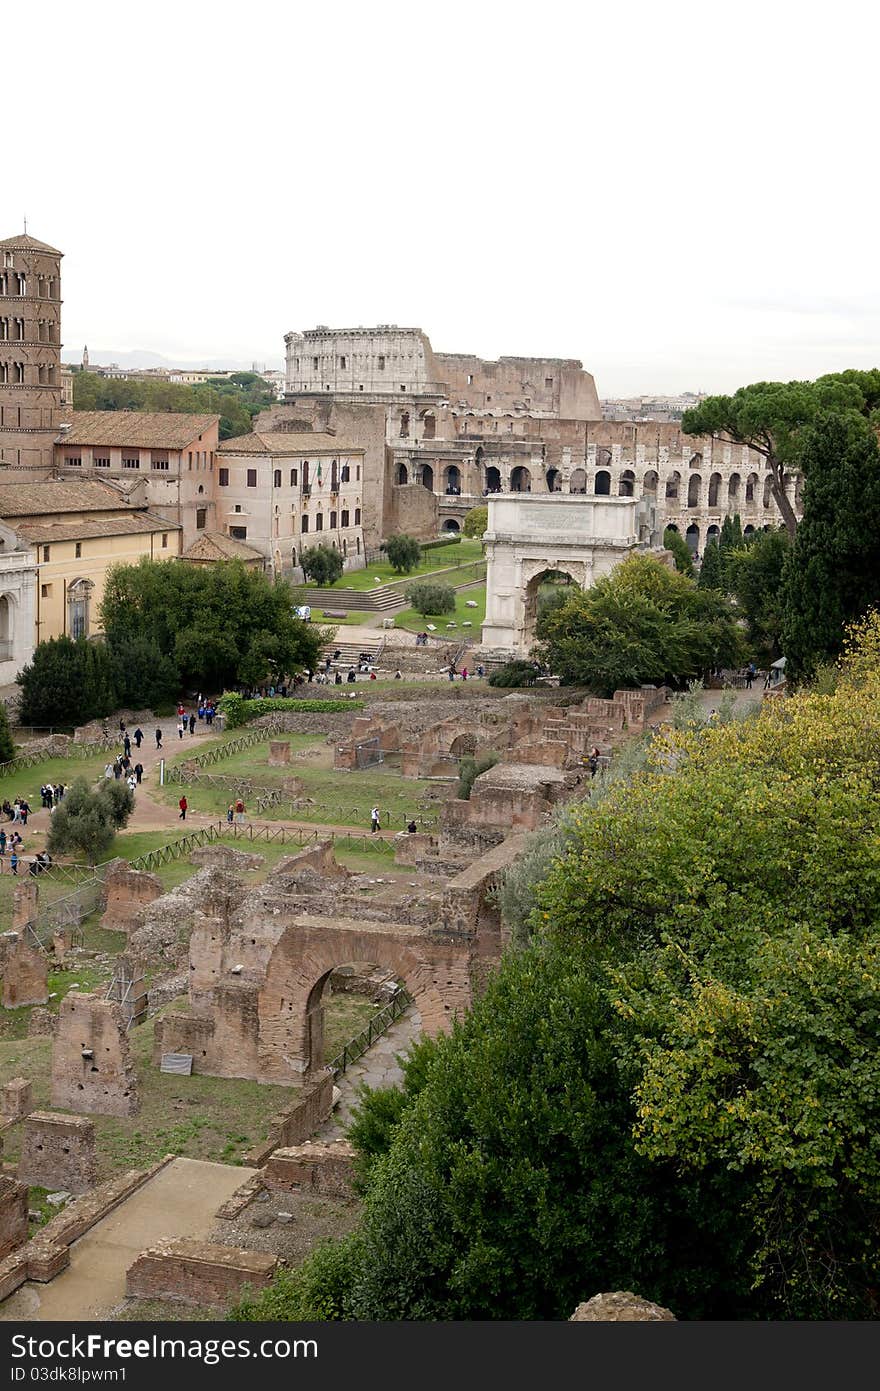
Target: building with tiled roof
{"points": [[283, 492], [71, 534], [168, 454], [213, 546]]}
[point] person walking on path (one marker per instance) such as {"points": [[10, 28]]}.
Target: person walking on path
{"points": [[138, 736], [192, 724], [181, 726], [2, 844], [230, 812], [139, 772], [751, 673], [13, 862], [25, 812], [374, 820], [158, 738], [182, 804], [126, 745], [132, 782], [239, 811]]}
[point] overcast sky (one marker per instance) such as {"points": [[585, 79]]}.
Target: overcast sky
{"points": [[682, 195]]}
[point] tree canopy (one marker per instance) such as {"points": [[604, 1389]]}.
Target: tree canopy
{"points": [[236, 399], [403, 552], [642, 623], [322, 564], [688, 1053], [476, 522], [86, 820], [772, 418], [832, 572], [219, 624], [67, 683], [754, 577], [676, 544]]}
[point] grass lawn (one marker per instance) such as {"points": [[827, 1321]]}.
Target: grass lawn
{"points": [[26, 782], [361, 618], [254, 760], [344, 1018], [467, 552], [417, 622]]}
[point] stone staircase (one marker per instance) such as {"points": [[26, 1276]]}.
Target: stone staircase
{"points": [[385, 599], [350, 652]]}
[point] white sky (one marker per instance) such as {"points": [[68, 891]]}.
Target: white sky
{"points": [[682, 195]]}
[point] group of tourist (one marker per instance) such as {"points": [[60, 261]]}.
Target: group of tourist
{"points": [[14, 844], [121, 767], [18, 811], [51, 795]]}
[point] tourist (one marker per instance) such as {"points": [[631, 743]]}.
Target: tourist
{"points": [[181, 726], [481, 671], [230, 812], [108, 771], [126, 745], [25, 812], [452, 671], [412, 828], [398, 675], [16, 810], [593, 761], [34, 868], [59, 792], [139, 772], [183, 805], [239, 811], [13, 862], [2, 844], [122, 726], [158, 738], [132, 783], [138, 736], [117, 769], [352, 676], [751, 673], [337, 681], [374, 820], [464, 673], [372, 676], [192, 724]]}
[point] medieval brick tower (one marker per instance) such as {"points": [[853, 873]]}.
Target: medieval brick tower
{"points": [[30, 354]]}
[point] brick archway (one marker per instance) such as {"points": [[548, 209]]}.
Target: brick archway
{"points": [[435, 971]]}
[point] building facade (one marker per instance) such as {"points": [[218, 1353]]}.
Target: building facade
{"points": [[283, 492], [30, 354], [73, 534], [168, 455], [18, 585]]}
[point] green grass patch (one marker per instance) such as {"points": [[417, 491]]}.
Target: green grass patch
{"points": [[417, 623], [449, 559], [344, 1018], [26, 782]]}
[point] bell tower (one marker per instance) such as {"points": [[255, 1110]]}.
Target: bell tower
{"points": [[30, 355]]}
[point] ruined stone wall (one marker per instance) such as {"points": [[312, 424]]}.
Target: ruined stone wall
{"points": [[25, 972], [92, 1068], [58, 1152], [412, 508], [13, 1214], [198, 1272], [127, 893], [319, 1168]]}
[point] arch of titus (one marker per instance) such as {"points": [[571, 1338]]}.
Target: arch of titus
{"points": [[530, 535]]}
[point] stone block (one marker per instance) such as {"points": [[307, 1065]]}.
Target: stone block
{"points": [[279, 753], [16, 1099], [620, 1307], [25, 972], [198, 1272], [321, 1168], [25, 902], [58, 1151], [127, 892]]}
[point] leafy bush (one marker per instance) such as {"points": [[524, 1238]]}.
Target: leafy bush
{"points": [[378, 1110], [476, 522], [318, 1291], [427, 598], [470, 769], [7, 747], [514, 674], [403, 552], [322, 564], [87, 819], [675, 542], [142, 675], [238, 711]]}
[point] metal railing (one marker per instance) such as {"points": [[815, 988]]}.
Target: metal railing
{"points": [[379, 1024]]}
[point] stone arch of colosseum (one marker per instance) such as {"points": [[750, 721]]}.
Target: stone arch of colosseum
{"points": [[435, 971]]}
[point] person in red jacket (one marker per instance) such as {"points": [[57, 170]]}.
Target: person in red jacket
{"points": [[182, 805]]}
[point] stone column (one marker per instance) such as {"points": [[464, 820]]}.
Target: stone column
{"points": [[25, 903]]}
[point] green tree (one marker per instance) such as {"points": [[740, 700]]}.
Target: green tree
{"points": [[470, 769], [428, 598], [87, 819], [476, 522], [832, 572], [773, 417], [236, 400], [712, 569], [403, 552], [675, 542], [142, 675], [322, 564], [643, 623], [754, 576], [212, 623], [66, 683], [7, 747]]}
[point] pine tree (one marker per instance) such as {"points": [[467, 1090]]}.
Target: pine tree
{"points": [[832, 573], [712, 569]]}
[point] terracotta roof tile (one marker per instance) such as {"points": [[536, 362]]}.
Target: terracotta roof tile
{"points": [[213, 545], [51, 498], [25, 242], [279, 442], [132, 524], [140, 429]]}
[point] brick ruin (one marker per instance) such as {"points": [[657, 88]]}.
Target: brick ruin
{"points": [[16, 1100], [25, 971], [13, 1214], [92, 1067], [127, 891], [317, 1168], [58, 1152], [198, 1273]]}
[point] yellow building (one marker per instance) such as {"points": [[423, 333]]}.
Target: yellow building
{"points": [[76, 531]]}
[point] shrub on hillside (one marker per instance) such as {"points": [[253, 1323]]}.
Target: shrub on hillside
{"points": [[87, 819], [476, 522], [427, 598], [470, 769], [239, 711]]}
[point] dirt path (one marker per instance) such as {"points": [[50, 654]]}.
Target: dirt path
{"points": [[180, 1200]]}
